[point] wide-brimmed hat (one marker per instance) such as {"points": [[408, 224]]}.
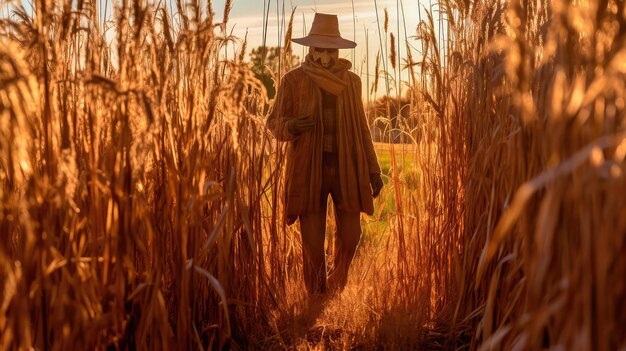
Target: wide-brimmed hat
{"points": [[325, 34]]}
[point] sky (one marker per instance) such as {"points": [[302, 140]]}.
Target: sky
{"points": [[357, 21]]}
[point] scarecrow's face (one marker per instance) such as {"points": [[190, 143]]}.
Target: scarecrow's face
{"points": [[325, 57]]}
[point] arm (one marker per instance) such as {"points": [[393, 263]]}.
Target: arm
{"points": [[370, 152], [372, 160], [283, 106]]}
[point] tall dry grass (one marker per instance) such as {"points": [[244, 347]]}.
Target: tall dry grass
{"points": [[544, 225], [134, 174], [141, 194]]}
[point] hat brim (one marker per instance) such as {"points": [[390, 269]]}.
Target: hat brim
{"points": [[325, 42]]}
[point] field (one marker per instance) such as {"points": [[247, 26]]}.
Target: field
{"points": [[141, 192]]}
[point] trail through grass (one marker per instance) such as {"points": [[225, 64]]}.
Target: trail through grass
{"points": [[353, 318]]}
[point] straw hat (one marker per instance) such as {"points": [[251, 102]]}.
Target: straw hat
{"points": [[325, 34]]}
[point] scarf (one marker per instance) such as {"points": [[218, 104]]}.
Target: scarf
{"points": [[329, 79]]}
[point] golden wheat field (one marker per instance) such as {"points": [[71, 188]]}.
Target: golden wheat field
{"points": [[140, 190]]}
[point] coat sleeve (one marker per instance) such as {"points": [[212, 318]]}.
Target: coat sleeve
{"points": [[281, 111], [370, 152]]}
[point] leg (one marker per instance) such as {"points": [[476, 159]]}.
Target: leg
{"points": [[346, 241], [312, 227]]}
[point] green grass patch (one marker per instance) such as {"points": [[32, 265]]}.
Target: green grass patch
{"points": [[404, 162]]}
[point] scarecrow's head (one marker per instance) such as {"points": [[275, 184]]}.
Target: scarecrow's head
{"points": [[324, 40], [324, 57]]}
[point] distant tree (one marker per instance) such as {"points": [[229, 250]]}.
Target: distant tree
{"points": [[261, 66]]}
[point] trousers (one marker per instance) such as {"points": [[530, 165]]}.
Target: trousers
{"points": [[313, 230]]}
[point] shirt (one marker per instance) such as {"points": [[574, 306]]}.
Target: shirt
{"points": [[329, 116]]}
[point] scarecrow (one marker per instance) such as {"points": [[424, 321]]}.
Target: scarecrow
{"points": [[319, 112]]}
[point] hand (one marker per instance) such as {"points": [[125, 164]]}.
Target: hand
{"points": [[300, 125], [377, 184]]}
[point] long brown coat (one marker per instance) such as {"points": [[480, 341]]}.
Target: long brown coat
{"points": [[299, 95]]}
